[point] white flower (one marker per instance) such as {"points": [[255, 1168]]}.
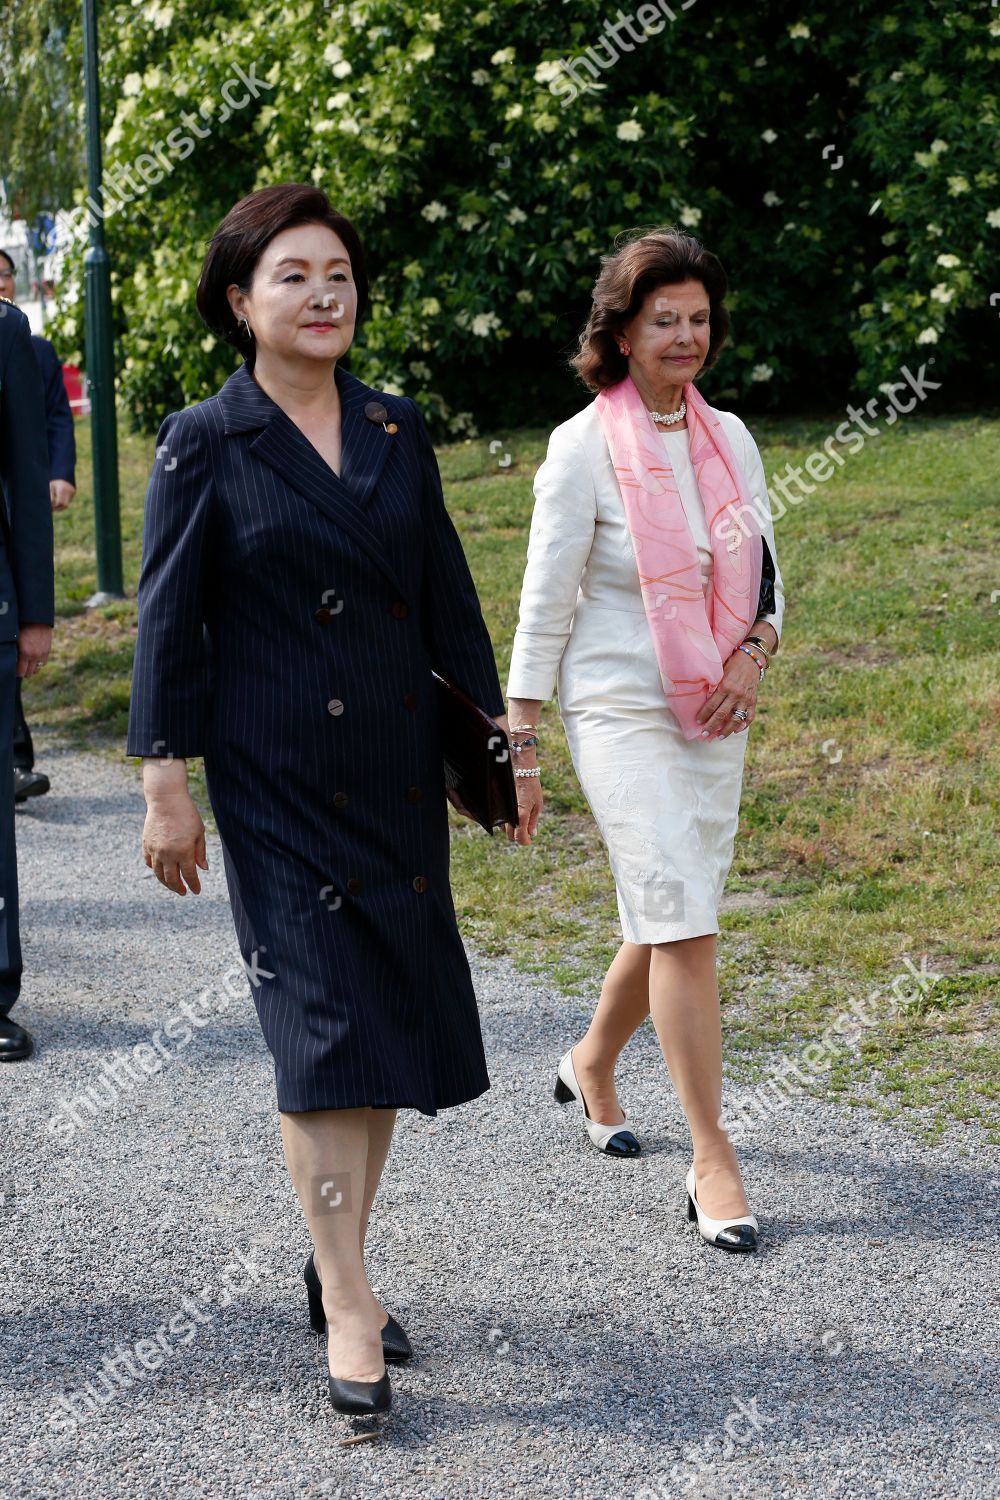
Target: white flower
{"points": [[467, 221], [957, 185], [208, 343], [769, 135], [546, 71], [896, 77], [800, 29], [938, 146], [337, 101], [423, 52], [517, 216], [927, 336], [430, 307], [341, 69], [432, 211], [761, 372], [942, 293], [505, 55], [421, 371], [484, 323], [514, 112], [760, 62], [948, 261], [935, 231], [886, 308], [348, 125], [332, 53], [132, 83], [545, 122], [772, 200], [993, 218], [524, 295], [480, 76], [690, 217], [630, 130]]}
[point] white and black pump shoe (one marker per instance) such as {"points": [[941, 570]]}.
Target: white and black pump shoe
{"points": [[727, 1234], [613, 1140]]}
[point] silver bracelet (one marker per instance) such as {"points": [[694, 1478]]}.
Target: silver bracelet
{"points": [[534, 771]]}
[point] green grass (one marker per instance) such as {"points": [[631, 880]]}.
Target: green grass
{"points": [[869, 821]]}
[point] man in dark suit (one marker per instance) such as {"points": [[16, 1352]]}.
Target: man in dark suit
{"points": [[62, 487], [26, 611]]}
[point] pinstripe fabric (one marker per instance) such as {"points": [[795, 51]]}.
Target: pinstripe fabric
{"points": [[288, 624]]}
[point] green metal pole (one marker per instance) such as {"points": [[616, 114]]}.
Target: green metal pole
{"points": [[100, 341]]}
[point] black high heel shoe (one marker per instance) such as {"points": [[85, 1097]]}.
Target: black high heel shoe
{"points": [[396, 1347], [360, 1398]]}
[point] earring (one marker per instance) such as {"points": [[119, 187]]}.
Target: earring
{"points": [[624, 349], [245, 327]]}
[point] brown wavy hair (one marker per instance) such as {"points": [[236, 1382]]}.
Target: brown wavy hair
{"points": [[647, 259]]}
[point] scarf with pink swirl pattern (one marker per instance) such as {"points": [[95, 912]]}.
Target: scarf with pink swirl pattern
{"points": [[693, 634]]}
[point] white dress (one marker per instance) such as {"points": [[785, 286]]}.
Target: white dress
{"points": [[667, 808]]}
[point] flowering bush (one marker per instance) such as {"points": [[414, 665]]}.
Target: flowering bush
{"points": [[840, 161]]}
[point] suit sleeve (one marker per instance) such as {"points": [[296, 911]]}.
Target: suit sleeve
{"points": [[455, 632], [559, 544], [753, 467], [168, 707], [26, 479], [58, 415]]}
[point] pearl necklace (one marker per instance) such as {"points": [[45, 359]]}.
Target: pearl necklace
{"points": [[670, 416]]}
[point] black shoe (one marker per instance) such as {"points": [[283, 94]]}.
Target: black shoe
{"points": [[15, 1042], [360, 1398], [396, 1347], [29, 784]]}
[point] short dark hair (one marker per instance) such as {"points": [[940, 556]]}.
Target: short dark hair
{"points": [[243, 236], [647, 259], [10, 261]]}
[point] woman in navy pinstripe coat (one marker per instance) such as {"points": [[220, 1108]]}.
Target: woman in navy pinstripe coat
{"points": [[301, 577]]}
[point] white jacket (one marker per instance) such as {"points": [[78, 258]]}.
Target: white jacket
{"points": [[580, 546]]}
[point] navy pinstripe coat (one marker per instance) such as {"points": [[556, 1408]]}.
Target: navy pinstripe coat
{"points": [[289, 620]]}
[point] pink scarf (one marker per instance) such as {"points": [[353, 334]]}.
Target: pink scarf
{"points": [[693, 636]]}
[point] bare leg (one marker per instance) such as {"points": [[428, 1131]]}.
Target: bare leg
{"points": [[621, 1009], [329, 1149], [381, 1123], [684, 1004]]}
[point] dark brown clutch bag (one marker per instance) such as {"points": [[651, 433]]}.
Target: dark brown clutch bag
{"points": [[477, 759]]}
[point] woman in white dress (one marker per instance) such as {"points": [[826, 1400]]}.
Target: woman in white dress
{"points": [[652, 597]]}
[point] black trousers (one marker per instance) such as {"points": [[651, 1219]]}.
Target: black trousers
{"points": [[24, 750], [10, 937]]}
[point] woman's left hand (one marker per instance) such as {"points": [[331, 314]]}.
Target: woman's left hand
{"points": [[738, 689]]}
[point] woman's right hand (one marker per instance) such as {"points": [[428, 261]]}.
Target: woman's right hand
{"points": [[173, 843], [529, 805]]}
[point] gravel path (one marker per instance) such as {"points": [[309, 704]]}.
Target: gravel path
{"points": [[574, 1337]]}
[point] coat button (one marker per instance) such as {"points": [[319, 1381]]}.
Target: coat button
{"points": [[335, 706], [409, 700], [322, 616], [420, 883], [340, 799], [414, 793], [400, 609], [354, 886]]}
